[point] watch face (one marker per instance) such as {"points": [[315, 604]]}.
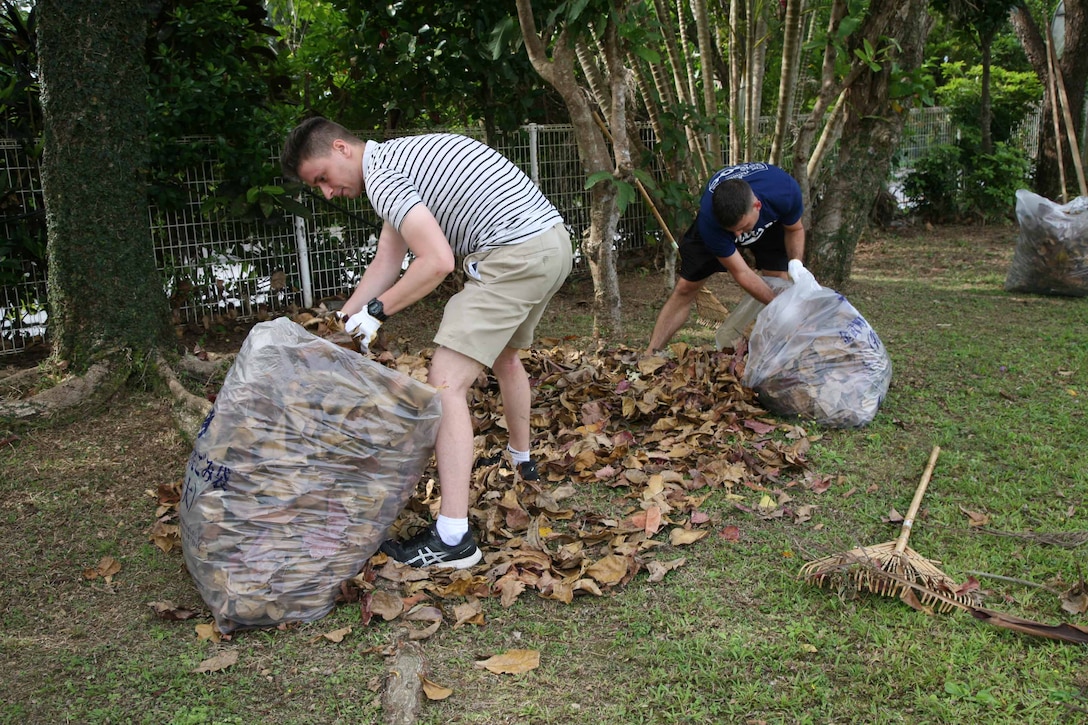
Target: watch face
{"points": [[376, 309]]}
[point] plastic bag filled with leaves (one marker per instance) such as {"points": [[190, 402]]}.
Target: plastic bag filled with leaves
{"points": [[1051, 256], [306, 459], [811, 354]]}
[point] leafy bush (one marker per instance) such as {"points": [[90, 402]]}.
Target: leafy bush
{"points": [[951, 183], [933, 185], [1013, 95]]}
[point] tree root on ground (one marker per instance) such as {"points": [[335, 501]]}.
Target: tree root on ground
{"points": [[76, 395]]}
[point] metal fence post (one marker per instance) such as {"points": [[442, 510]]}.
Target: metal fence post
{"points": [[534, 159], [304, 262]]}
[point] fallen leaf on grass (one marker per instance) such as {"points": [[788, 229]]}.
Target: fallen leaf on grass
{"points": [[434, 691], [683, 537], [170, 611], [974, 518], [107, 567], [221, 661], [1075, 601], [165, 536], [471, 612], [386, 605], [210, 632], [512, 662], [658, 569], [337, 635], [608, 569]]}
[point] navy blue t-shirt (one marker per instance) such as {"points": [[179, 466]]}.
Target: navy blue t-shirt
{"points": [[777, 190]]}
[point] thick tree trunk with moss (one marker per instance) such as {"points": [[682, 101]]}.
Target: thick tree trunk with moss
{"points": [[105, 293], [870, 137]]}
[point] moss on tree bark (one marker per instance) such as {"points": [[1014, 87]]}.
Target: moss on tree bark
{"points": [[104, 289]]}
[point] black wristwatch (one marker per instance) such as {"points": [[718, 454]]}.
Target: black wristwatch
{"points": [[376, 309]]}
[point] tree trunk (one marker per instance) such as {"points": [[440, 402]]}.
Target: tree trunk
{"points": [[870, 137], [593, 151], [104, 290], [1074, 69], [787, 82]]}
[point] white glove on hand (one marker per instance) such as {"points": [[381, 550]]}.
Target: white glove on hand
{"points": [[797, 272], [363, 326]]}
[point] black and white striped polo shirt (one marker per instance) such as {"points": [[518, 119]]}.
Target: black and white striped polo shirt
{"points": [[479, 197]]}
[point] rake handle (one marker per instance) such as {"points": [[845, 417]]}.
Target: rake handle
{"points": [[916, 502]]}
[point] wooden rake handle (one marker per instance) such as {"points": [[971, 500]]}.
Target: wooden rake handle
{"points": [[916, 502]]}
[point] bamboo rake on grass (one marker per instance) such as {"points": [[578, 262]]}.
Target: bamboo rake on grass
{"points": [[884, 568]]}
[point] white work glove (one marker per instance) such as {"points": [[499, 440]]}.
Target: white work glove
{"points": [[797, 272], [362, 326]]}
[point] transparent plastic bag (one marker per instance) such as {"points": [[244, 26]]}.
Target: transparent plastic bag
{"points": [[812, 355], [1051, 256], [743, 314], [309, 454]]}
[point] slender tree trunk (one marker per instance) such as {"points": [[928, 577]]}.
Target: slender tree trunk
{"points": [[104, 290], [787, 82], [1074, 68], [986, 110], [710, 98], [594, 153]]}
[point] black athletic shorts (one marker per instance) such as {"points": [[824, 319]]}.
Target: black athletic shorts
{"points": [[697, 262]]}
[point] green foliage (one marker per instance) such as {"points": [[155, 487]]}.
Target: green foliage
{"points": [[951, 183], [214, 78], [22, 216], [958, 181], [1013, 94], [20, 111], [373, 65]]}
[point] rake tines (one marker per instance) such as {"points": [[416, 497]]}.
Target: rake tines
{"points": [[891, 568]]}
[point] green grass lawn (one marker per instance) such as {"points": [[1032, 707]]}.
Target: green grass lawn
{"points": [[999, 381]]}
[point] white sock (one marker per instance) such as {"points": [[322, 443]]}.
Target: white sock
{"points": [[451, 531], [517, 457]]}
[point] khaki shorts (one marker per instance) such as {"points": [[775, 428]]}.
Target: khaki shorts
{"points": [[504, 300]]}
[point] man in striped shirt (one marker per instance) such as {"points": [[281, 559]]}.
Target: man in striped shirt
{"points": [[443, 198]]}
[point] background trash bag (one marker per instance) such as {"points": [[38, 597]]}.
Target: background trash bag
{"points": [[306, 459], [1051, 256], [811, 354]]}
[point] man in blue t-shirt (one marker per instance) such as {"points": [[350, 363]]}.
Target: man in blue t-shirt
{"points": [[753, 205]]}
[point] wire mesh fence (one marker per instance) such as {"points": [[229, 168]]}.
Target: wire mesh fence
{"points": [[217, 269]]}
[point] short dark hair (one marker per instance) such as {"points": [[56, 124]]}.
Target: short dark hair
{"points": [[311, 138], [732, 199]]}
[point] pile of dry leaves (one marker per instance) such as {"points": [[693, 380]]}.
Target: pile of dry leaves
{"points": [[630, 449]]}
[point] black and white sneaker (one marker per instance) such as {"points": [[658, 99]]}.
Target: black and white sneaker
{"points": [[427, 549], [527, 469]]}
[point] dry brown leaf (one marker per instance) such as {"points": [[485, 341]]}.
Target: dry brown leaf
{"points": [[106, 568], [683, 537], [220, 662], [337, 635], [975, 518], [512, 662], [658, 569], [434, 691], [165, 536], [470, 612], [170, 611], [1075, 601], [608, 569], [386, 605], [208, 631]]}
